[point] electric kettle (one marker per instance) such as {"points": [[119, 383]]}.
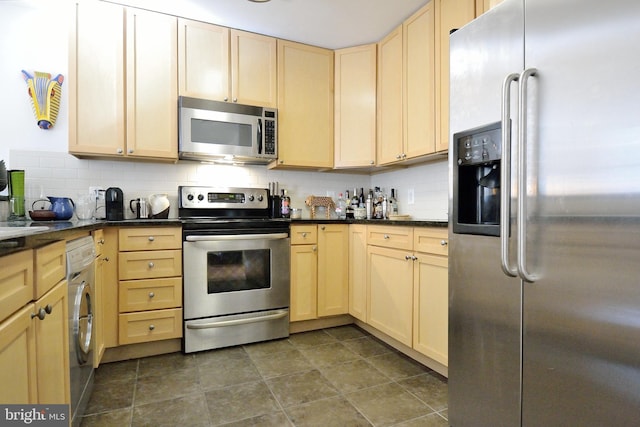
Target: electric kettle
{"points": [[159, 204]]}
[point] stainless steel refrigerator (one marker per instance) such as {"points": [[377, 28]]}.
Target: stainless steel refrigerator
{"points": [[545, 248]]}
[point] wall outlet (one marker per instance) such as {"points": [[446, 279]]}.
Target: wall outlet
{"points": [[410, 197]]}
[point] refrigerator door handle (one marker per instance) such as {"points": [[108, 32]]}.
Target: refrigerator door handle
{"points": [[505, 178], [521, 214]]}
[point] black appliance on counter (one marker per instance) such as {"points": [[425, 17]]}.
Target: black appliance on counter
{"points": [[114, 204]]}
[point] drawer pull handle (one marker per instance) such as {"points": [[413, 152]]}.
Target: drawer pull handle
{"points": [[323, 228], [48, 308], [414, 258], [443, 243], [151, 295], [40, 315], [151, 265], [386, 237], [407, 257], [304, 235], [101, 242], [151, 327], [151, 238]]}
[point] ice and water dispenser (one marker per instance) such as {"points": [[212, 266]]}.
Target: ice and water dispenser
{"points": [[476, 180]]}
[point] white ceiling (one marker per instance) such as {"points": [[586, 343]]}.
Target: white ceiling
{"points": [[327, 23]]}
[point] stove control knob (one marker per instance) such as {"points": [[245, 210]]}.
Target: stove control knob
{"points": [[200, 197], [190, 197], [251, 198], [260, 198]]}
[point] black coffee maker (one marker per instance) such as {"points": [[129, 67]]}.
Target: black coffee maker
{"points": [[114, 204], [476, 180]]}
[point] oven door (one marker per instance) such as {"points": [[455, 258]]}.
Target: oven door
{"points": [[232, 274]]}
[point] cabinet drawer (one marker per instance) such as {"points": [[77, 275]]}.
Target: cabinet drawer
{"points": [[51, 267], [149, 238], [16, 282], [431, 240], [304, 234], [149, 326], [390, 237], [150, 294], [149, 264]]}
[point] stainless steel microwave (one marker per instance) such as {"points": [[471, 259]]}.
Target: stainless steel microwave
{"points": [[227, 133]]}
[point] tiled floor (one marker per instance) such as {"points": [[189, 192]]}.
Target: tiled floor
{"points": [[333, 377]]}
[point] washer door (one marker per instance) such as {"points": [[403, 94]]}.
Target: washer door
{"points": [[83, 322]]}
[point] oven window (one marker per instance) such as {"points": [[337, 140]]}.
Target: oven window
{"points": [[231, 271]]}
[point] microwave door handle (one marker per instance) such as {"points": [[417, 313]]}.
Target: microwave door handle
{"points": [[259, 136]]}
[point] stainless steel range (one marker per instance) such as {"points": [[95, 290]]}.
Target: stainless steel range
{"points": [[236, 268]]}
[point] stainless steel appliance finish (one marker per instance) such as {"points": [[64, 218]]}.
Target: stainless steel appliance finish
{"points": [[80, 277], [229, 133], [544, 319], [236, 268]]}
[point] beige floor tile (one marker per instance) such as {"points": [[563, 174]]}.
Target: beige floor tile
{"points": [[301, 388], [220, 355], [388, 404], [166, 385], [240, 402], [335, 411], [329, 354], [184, 411], [268, 347], [116, 371], [354, 375], [270, 420], [166, 362], [273, 365], [397, 366]]}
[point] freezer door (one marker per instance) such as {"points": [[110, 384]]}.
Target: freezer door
{"points": [[582, 312], [484, 303]]}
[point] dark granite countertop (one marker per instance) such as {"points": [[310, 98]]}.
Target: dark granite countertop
{"points": [[404, 223]]}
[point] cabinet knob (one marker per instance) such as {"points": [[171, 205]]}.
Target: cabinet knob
{"points": [[105, 259], [414, 258], [151, 238], [281, 162], [226, 99], [151, 295], [385, 237], [407, 257], [151, 264], [404, 156], [40, 315], [235, 99], [151, 327], [443, 243], [315, 248], [372, 162], [323, 228], [48, 308], [119, 151], [101, 242], [130, 151], [399, 156], [304, 235]]}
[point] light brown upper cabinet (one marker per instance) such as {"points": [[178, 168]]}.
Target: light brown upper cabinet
{"points": [[123, 83], [305, 106], [228, 65], [406, 93], [450, 15], [355, 107]]}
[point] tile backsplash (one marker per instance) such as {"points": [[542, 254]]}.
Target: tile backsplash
{"points": [[61, 174]]}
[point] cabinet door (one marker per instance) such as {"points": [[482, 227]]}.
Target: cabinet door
{"points": [[450, 14], [97, 80], [358, 271], [390, 295], [333, 269], [304, 282], [431, 307], [355, 106], [17, 358], [305, 105], [52, 346], [419, 83], [152, 85], [253, 69], [390, 98], [203, 51]]}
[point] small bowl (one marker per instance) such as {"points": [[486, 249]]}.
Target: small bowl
{"points": [[42, 215]]}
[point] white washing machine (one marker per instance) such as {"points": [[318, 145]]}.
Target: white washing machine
{"points": [[80, 277]]}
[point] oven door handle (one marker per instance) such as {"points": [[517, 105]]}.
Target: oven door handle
{"points": [[223, 323], [214, 238]]}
